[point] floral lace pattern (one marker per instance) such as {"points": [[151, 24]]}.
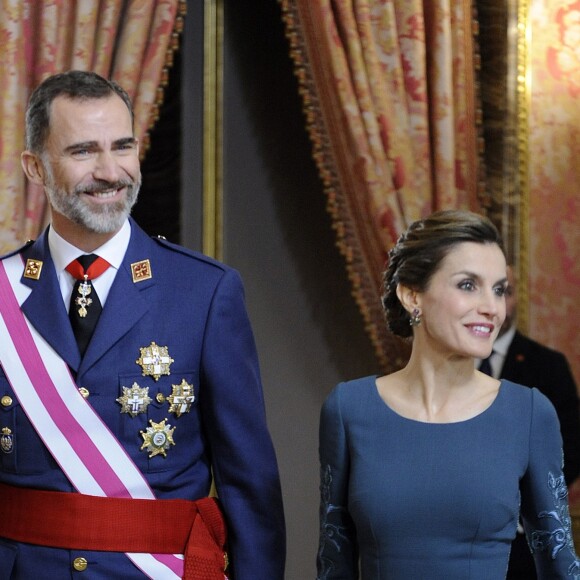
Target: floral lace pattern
{"points": [[331, 534], [559, 538]]}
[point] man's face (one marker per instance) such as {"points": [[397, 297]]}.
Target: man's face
{"points": [[91, 164]]}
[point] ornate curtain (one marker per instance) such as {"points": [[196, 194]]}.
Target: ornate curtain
{"points": [[389, 97], [130, 41]]}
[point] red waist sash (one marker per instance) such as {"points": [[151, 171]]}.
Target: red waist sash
{"points": [[76, 521]]}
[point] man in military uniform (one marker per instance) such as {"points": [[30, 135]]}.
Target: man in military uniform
{"points": [[129, 377]]}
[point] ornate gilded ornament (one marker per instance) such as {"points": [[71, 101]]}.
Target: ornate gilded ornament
{"points": [[141, 271], [6, 440], [134, 400], [32, 269], [83, 300], [181, 398], [157, 438], [154, 360]]}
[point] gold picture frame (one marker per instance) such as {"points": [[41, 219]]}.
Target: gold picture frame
{"points": [[504, 44], [212, 226]]}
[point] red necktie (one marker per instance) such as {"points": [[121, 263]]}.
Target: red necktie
{"points": [[85, 306]]}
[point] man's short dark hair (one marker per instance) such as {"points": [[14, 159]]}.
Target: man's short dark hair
{"points": [[74, 84]]}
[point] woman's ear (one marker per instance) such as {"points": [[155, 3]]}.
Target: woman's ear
{"points": [[32, 167], [409, 298]]}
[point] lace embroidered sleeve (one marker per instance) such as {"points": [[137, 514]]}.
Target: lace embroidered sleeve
{"points": [[545, 497], [337, 554]]}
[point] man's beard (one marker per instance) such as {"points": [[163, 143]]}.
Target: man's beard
{"points": [[99, 218]]}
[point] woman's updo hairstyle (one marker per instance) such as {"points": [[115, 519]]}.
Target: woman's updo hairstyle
{"points": [[418, 253]]}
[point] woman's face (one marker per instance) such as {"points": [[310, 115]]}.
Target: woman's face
{"points": [[463, 307]]}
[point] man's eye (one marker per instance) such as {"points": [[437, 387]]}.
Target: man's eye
{"points": [[129, 146], [80, 152]]}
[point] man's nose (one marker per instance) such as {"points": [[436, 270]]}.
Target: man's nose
{"points": [[107, 168]]}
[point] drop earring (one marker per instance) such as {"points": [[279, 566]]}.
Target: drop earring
{"points": [[415, 318]]}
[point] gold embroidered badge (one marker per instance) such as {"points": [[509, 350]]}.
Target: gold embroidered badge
{"points": [[32, 269], [154, 360], [141, 271]]}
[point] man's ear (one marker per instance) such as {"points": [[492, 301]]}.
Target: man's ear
{"points": [[409, 298], [32, 167]]}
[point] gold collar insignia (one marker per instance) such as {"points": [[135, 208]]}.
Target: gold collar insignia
{"points": [[32, 269]]}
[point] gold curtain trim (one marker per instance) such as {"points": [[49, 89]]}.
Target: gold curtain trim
{"points": [[164, 78], [212, 244], [481, 194], [391, 352], [523, 108]]}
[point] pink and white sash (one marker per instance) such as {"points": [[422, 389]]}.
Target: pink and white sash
{"points": [[88, 453]]}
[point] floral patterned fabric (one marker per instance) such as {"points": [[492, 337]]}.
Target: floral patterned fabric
{"points": [[554, 202], [388, 92], [130, 41]]}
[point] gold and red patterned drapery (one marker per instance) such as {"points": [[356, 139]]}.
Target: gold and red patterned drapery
{"points": [[129, 41], [388, 91]]}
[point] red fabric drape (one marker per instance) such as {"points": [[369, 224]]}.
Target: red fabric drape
{"points": [[388, 93], [130, 41]]}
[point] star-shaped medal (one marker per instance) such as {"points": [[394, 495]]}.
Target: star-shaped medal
{"points": [[154, 360], [134, 400], [157, 438], [181, 398]]}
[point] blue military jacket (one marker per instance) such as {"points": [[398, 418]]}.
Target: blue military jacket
{"points": [[194, 307]]}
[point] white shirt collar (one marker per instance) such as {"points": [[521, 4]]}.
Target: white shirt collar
{"points": [[63, 253]]}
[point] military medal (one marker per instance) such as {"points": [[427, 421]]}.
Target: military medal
{"points": [[154, 360], [134, 400], [181, 398], [157, 438], [83, 300], [6, 440]]}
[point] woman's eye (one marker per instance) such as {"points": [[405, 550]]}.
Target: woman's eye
{"points": [[501, 291], [467, 285]]}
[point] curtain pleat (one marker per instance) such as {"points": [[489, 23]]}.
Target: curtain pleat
{"points": [[390, 107], [130, 41]]}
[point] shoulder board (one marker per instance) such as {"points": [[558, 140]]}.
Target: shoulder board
{"points": [[187, 252]]}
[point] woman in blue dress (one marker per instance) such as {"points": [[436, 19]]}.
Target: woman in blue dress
{"points": [[424, 472]]}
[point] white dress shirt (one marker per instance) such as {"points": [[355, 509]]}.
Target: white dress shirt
{"points": [[64, 253]]}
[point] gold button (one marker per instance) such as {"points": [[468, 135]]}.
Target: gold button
{"points": [[6, 401], [80, 564], [160, 397], [84, 392]]}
